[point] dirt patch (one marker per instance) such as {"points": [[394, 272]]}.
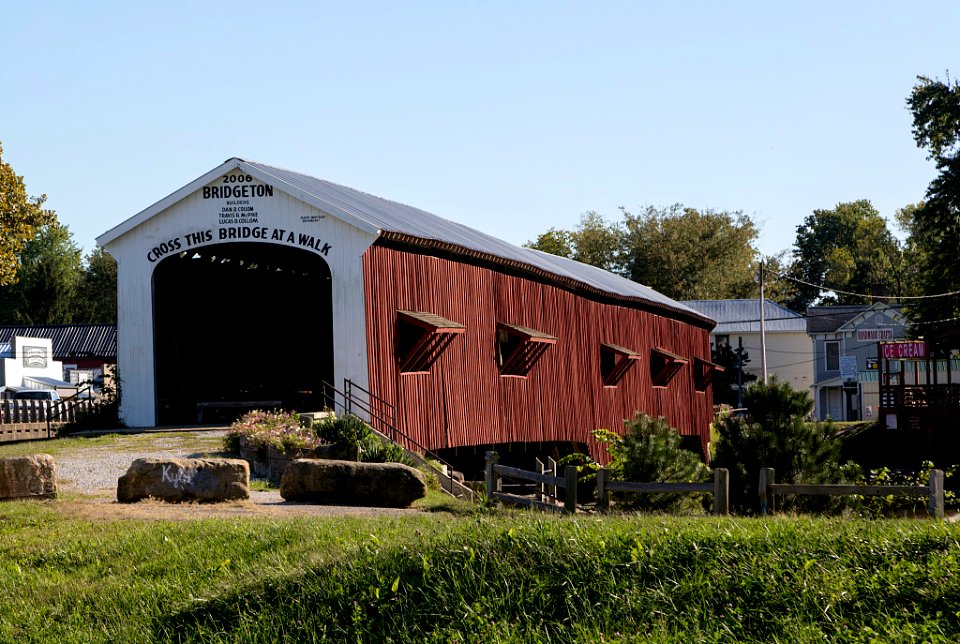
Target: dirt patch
{"points": [[260, 504]]}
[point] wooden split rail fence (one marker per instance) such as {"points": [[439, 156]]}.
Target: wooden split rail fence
{"points": [[548, 484], [769, 489]]}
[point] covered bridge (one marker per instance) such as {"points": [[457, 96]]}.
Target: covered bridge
{"points": [[255, 285]]}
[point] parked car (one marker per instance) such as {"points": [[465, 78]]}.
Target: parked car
{"points": [[36, 394]]}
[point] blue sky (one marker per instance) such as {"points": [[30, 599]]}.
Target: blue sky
{"points": [[511, 117]]}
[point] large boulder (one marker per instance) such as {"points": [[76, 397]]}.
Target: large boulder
{"points": [[28, 477], [185, 479], [386, 485]]}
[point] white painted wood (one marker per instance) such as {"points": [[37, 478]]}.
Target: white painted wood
{"points": [[193, 219]]}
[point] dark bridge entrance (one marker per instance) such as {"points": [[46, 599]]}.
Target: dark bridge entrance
{"points": [[237, 325]]}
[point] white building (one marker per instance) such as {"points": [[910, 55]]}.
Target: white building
{"points": [[789, 351], [27, 363]]}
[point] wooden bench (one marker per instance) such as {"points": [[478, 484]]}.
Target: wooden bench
{"points": [[235, 404]]}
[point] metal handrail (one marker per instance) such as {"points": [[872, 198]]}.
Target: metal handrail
{"points": [[350, 385], [347, 406]]}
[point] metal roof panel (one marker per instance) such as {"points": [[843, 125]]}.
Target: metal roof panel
{"points": [[743, 316], [71, 340]]}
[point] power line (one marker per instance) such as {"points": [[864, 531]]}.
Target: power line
{"points": [[823, 287]]}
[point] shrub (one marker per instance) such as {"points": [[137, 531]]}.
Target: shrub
{"points": [[378, 451], [776, 435], [350, 431], [876, 506], [650, 451], [342, 431]]}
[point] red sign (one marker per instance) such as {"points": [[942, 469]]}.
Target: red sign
{"points": [[904, 350]]}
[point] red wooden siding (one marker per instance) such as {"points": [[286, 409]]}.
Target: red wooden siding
{"points": [[464, 401]]}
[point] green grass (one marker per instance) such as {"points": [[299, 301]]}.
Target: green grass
{"points": [[457, 573], [475, 576]]}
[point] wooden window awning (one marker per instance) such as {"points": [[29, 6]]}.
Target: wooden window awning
{"points": [[704, 372], [615, 362], [520, 347], [664, 366], [421, 338]]}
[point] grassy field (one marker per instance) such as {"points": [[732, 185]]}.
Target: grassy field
{"points": [[457, 573], [475, 577]]}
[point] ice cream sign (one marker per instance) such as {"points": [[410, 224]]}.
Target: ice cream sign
{"points": [[910, 349]]}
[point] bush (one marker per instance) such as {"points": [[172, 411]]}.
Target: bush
{"points": [[650, 451], [878, 506], [350, 431], [343, 431], [776, 435]]}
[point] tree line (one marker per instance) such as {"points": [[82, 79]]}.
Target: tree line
{"points": [[44, 278], [841, 255]]}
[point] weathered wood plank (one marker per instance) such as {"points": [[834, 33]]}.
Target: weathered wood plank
{"points": [[525, 475], [624, 486], [522, 500], [839, 489]]}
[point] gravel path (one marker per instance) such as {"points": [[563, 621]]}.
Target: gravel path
{"points": [[93, 473]]}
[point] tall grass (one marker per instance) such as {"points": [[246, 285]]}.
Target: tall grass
{"points": [[498, 577]]}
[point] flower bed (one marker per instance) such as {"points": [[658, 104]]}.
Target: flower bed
{"points": [[264, 436]]}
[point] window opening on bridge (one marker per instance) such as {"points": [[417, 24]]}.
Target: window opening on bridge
{"points": [[664, 366], [615, 362], [421, 338], [519, 348], [704, 372]]}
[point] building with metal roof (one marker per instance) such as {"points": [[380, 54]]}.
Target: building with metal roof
{"points": [[72, 342], [788, 347], [465, 340]]}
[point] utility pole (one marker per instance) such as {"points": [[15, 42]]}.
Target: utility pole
{"points": [[763, 331], [740, 372]]}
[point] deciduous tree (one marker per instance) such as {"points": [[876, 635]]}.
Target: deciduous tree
{"points": [[934, 225], [50, 272], [684, 253], [20, 217], [849, 248], [594, 241], [689, 254]]}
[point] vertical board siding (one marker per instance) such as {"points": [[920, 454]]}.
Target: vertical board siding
{"points": [[463, 400]]}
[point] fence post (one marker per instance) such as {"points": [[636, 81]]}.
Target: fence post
{"points": [[554, 471], [541, 486], [935, 505], [721, 491], [490, 477], [570, 488], [603, 497], [767, 476]]}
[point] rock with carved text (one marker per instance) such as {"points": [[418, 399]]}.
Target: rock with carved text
{"points": [[204, 480], [28, 477]]}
